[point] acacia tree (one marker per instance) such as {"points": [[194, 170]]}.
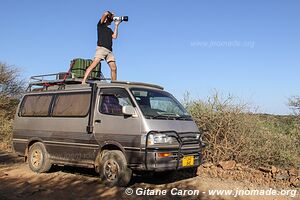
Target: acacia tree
{"points": [[294, 104], [12, 84]]}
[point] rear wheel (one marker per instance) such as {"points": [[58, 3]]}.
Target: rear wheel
{"points": [[113, 169], [38, 158]]}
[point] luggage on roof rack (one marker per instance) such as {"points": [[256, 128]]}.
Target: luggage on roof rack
{"points": [[74, 75], [79, 66]]}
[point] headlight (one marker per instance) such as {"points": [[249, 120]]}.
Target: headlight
{"points": [[198, 135], [160, 138]]}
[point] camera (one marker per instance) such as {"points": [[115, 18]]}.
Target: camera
{"points": [[122, 18]]}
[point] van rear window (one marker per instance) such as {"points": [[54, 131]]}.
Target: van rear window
{"points": [[36, 106], [71, 105]]}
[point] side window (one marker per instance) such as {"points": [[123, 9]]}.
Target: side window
{"points": [[71, 105], [112, 100], [36, 106]]}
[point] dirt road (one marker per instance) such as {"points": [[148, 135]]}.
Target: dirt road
{"points": [[18, 182]]}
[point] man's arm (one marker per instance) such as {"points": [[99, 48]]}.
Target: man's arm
{"points": [[115, 33]]}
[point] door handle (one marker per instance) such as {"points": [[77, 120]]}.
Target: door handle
{"points": [[97, 121]]}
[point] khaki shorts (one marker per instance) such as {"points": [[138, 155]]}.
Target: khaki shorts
{"points": [[105, 54]]}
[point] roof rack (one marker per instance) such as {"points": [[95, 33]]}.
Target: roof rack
{"points": [[43, 82], [53, 79], [73, 76]]}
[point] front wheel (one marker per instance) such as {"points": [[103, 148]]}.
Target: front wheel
{"points": [[38, 158], [113, 169]]}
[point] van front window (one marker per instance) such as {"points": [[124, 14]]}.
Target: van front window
{"points": [[159, 105]]}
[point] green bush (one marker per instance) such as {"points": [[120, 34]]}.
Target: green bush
{"points": [[232, 132]]}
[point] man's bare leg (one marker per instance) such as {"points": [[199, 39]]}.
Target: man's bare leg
{"points": [[89, 69], [113, 70]]}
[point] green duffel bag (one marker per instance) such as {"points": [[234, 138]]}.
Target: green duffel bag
{"points": [[79, 66]]}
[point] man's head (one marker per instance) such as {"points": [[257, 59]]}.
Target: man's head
{"points": [[109, 17]]}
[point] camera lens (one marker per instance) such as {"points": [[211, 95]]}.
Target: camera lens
{"points": [[125, 18]]}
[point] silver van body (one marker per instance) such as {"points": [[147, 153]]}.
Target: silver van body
{"points": [[75, 126]]}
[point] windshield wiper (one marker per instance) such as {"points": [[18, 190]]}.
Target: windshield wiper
{"points": [[184, 117], [165, 116], [170, 116]]}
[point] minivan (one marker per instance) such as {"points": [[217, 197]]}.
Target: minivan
{"points": [[118, 128]]}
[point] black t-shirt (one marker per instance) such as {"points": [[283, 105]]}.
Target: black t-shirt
{"points": [[104, 36]]}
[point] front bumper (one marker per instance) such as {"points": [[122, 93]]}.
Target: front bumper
{"points": [[187, 146], [173, 162]]}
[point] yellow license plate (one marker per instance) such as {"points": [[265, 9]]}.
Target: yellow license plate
{"points": [[188, 161]]}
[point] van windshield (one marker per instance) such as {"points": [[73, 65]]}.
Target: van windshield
{"points": [[159, 105]]}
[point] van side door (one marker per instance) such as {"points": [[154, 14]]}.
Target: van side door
{"points": [[112, 126], [69, 140]]}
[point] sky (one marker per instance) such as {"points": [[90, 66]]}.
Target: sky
{"points": [[248, 49]]}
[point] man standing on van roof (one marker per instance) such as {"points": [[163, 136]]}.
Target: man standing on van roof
{"points": [[104, 45]]}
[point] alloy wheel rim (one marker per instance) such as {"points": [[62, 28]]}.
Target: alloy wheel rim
{"points": [[111, 170], [36, 158]]}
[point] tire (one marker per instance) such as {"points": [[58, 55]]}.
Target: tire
{"points": [[113, 169], [38, 158]]}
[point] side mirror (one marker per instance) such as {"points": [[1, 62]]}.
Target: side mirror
{"points": [[129, 110]]}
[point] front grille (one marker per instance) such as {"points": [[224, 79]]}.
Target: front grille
{"points": [[190, 146], [188, 138]]}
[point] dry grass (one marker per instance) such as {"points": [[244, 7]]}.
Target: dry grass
{"points": [[8, 108], [12, 88], [234, 133]]}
